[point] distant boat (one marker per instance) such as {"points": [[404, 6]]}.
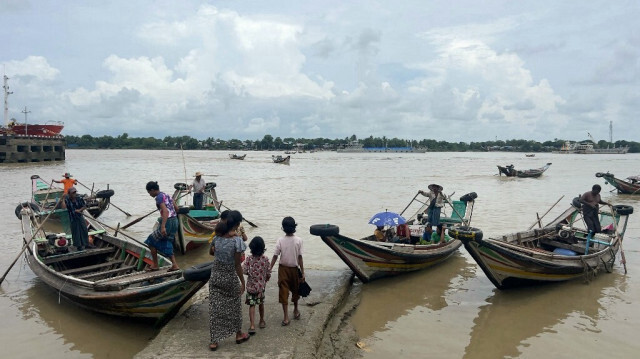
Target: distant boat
{"points": [[233, 156], [280, 159], [357, 147], [530, 155], [586, 148], [12, 127], [510, 171], [629, 186]]}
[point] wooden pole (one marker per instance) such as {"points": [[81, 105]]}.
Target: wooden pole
{"points": [[111, 203], [545, 213], [244, 219], [414, 198], [138, 220], [25, 246], [615, 230]]}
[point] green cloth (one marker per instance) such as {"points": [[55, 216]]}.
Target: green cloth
{"points": [[435, 238]]}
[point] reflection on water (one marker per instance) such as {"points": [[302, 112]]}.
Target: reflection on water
{"points": [[511, 317], [385, 300], [100, 336]]}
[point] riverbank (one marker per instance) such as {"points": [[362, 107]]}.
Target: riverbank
{"points": [[187, 335]]}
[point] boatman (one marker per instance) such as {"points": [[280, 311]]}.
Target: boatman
{"points": [[67, 181], [198, 190], [75, 205], [590, 201], [436, 202]]}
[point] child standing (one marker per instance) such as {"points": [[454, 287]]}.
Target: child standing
{"points": [[289, 248], [258, 272]]}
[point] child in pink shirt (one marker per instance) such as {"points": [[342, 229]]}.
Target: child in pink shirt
{"points": [[258, 271]]}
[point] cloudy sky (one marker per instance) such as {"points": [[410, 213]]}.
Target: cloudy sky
{"points": [[445, 70]]}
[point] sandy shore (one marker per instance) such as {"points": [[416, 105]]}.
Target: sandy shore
{"points": [[321, 332]]}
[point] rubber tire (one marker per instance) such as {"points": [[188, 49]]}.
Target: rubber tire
{"points": [[576, 202], [469, 197], [623, 209], [33, 207], [599, 174], [324, 230], [198, 273], [465, 232], [180, 186], [183, 210], [107, 193], [209, 186]]}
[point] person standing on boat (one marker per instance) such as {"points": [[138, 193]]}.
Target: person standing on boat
{"points": [[290, 268], [67, 181], [75, 205], [226, 283], [163, 236], [590, 201], [198, 190], [436, 202]]}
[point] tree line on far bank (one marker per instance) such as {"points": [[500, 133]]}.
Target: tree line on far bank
{"points": [[268, 142]]}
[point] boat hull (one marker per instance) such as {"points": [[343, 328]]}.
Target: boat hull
{"points": [[370, 260], [194, 233], [622, 186], [37, 130]]}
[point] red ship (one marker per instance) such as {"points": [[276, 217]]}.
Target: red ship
{"points": [[49, 129]]}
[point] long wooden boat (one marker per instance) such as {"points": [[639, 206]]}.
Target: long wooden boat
{"points": [[629, 186], [109, 278], [509, 171], [454, 213], [280, 159], [559, 251], [46, 197], [196, 226], [233, 156], [370, 259]]}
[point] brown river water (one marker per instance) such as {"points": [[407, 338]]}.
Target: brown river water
{"points": [[449, 311]]}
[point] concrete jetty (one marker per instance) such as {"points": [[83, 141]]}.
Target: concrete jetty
{"points": [[187, 335], [24, 149]]}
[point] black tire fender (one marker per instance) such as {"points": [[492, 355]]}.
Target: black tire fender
{"points": [[622, 209], [31, 205], [576, 202], [198, 273], [465, 232], [107, 193], [599, 174], [180, 186], [324, 230], [469, 197], [183, 210]]}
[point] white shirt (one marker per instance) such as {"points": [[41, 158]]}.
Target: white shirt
{"points": [[198, 186], [289, 248]]}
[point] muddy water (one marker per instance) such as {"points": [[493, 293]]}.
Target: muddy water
{"points": [[449, 311]]}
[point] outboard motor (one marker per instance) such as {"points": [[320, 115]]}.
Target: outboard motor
{"points": [[59, 242]]}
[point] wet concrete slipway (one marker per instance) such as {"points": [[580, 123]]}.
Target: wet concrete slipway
{"points": [[319, 333]]}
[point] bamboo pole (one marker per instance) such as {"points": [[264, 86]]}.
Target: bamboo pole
{"points": [[545, 213]]}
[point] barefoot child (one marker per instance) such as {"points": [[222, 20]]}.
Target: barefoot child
{"points": [[258, 272], [289, 248]]}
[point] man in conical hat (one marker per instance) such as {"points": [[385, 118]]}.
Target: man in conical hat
{"points": [[198, 190], [436, 202], [67, 181]]}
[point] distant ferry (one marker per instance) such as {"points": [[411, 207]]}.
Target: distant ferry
{"points": [[356, 147], [587, 149]]}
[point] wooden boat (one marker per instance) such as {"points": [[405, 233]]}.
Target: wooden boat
{"points": [[195, 226], [109, 278], [370, 259], [454, 213], [46, 197], [233, 156], [629, 186], [561, 250], [280, 159], [509, 171], [530, 155]]}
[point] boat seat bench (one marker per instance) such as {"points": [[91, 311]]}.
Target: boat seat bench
{"points": [[92, 267], [68, 236], [76, 255], [111, 271]]}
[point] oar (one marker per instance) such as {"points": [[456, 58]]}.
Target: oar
{"points": [[25, 246], [111, 203], [138, 220], [414, 198], [545, 213], [244, 219]]}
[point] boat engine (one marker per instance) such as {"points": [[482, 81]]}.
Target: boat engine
{"points": [[58, 243]]}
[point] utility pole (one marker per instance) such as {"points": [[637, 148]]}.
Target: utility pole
{"points": [[5, 86], [26, 128]]}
